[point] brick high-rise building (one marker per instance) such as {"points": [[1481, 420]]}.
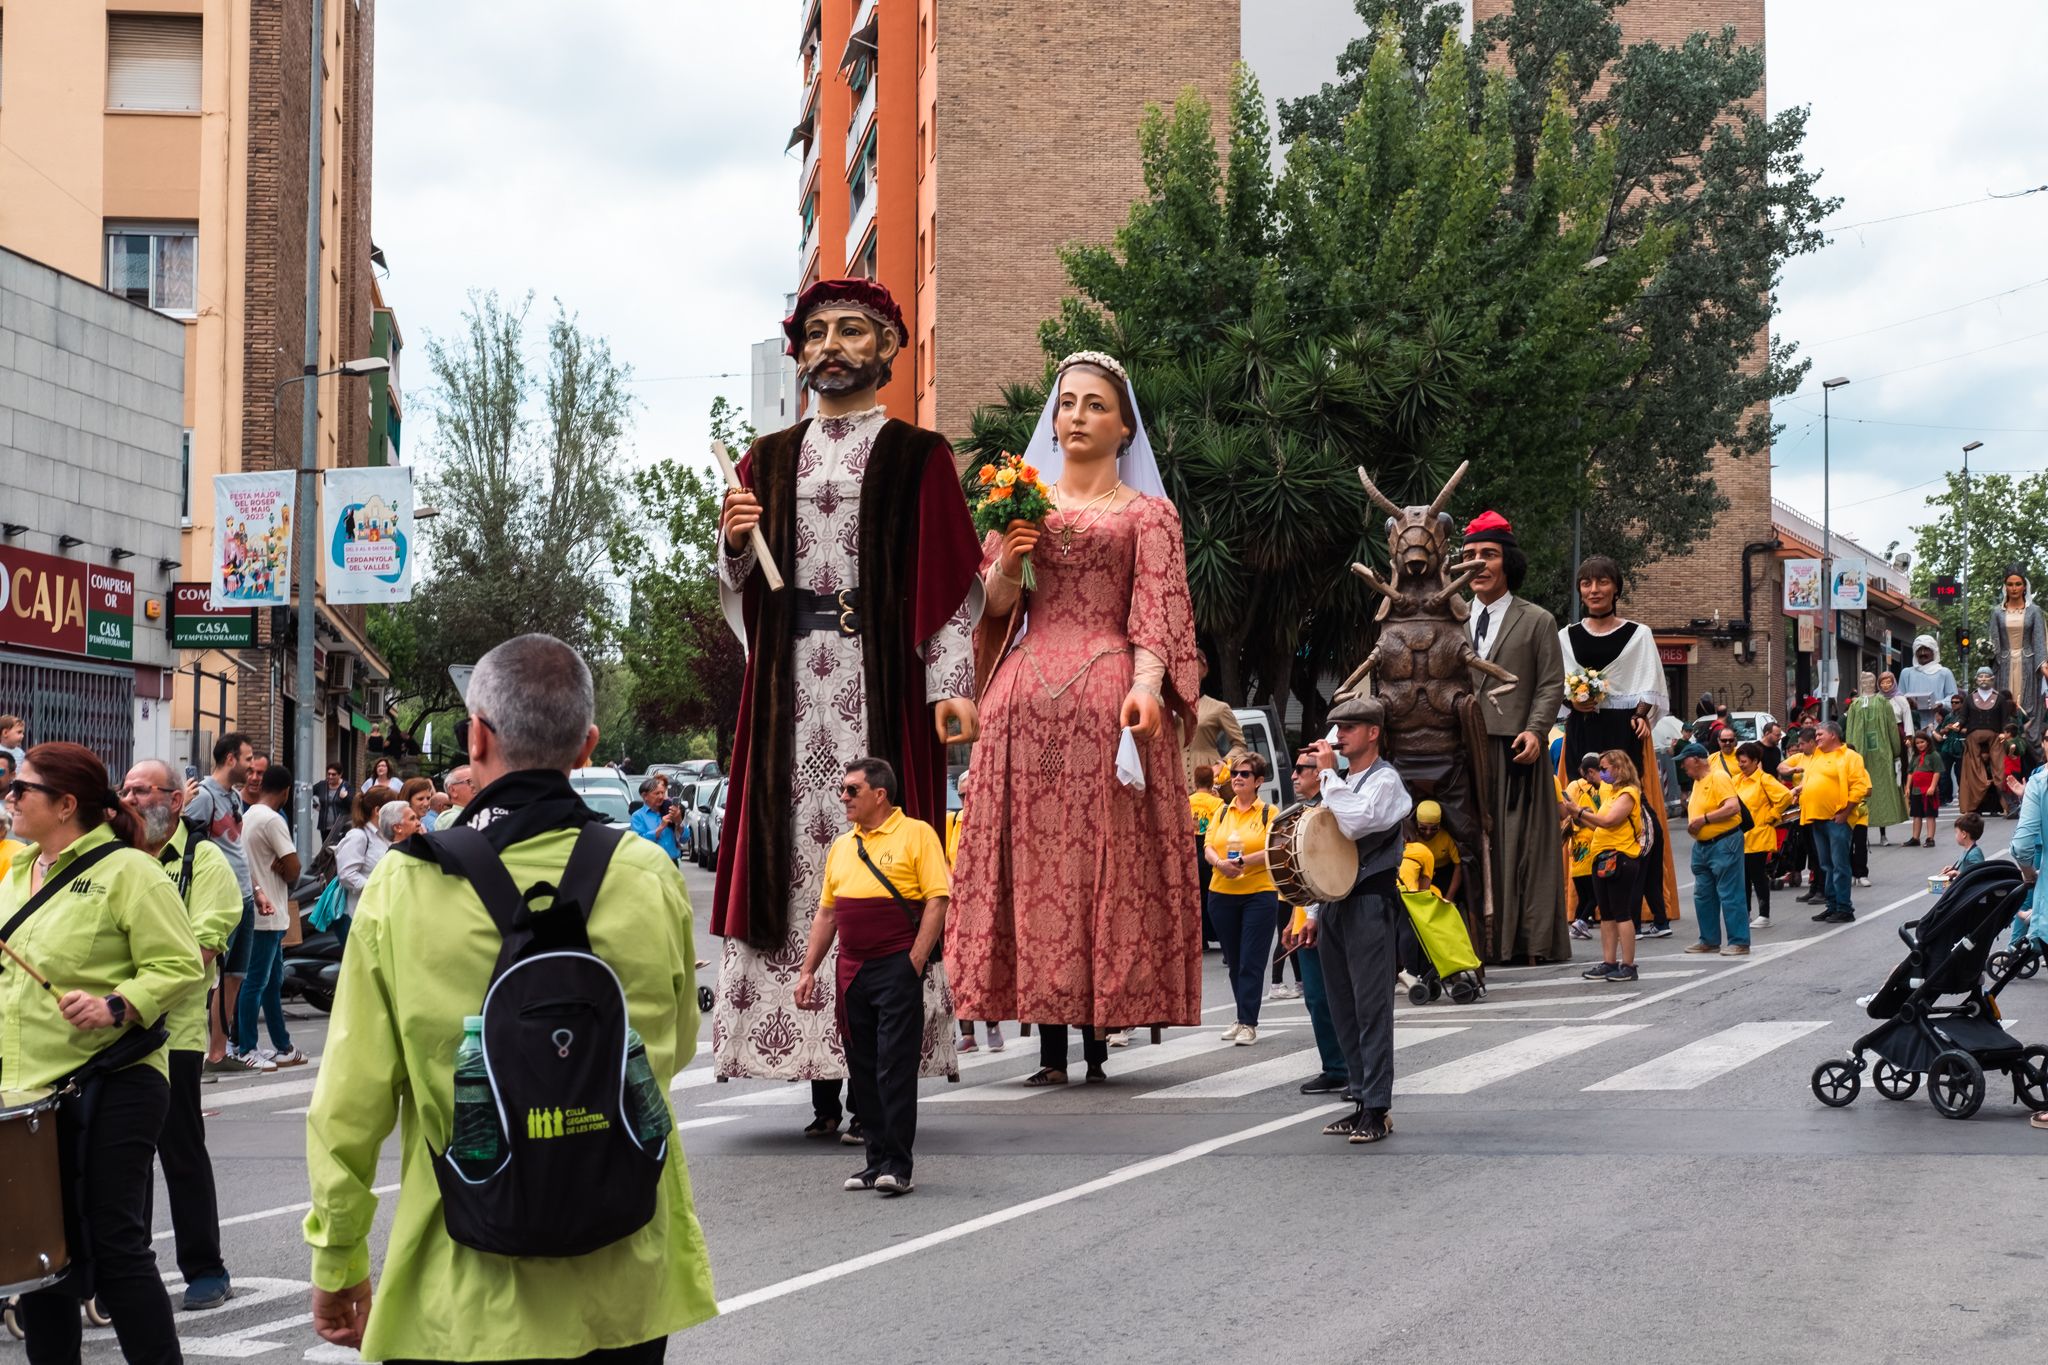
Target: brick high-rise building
{"points": [[966, 144], [158, 147]]}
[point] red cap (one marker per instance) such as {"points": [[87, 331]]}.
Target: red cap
{"points": [[867, 295], [1490, 525]]}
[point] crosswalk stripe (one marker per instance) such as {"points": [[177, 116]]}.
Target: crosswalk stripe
{"points": [[1508, 1059], [1135, 1060], [1698, 1062], [790, 1093], [1249, 1080]]}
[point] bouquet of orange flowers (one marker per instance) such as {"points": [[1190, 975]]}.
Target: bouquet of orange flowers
{"points": [[1011, 491]]}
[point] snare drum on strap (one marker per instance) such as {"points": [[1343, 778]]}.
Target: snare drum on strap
{"points": [[1311, 860], [33, 1253]]}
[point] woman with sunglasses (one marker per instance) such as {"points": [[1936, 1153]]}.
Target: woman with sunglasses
{"points": [[1244, 902], [107, 931]]}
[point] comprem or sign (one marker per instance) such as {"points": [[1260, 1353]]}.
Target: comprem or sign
{"points": [[197, 624]]}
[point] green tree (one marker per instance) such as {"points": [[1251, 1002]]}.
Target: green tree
{"points": [[2007, 526], [684, 663], [525, 467]]}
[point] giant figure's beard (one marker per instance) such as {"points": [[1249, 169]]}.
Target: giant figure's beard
{"points": [[851, 377]]}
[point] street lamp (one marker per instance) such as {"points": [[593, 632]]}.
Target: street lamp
{"points": [[1963, 589], [306, 554], [1827, 557]]}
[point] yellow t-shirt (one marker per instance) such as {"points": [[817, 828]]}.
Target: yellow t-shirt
{"points": [[1833, 780], [1587, 794], [952, 837], [1708, 793], [1766, 798], [8, 848], [1443, 848], [1625, 837], [1725, 765], [1204, 804], [1418, 866], [1248, 828], [908, 852]]}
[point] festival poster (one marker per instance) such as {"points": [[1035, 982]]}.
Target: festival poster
{"points": [[1852, 585], [367, 530], [252, 539], [1802, 585]]}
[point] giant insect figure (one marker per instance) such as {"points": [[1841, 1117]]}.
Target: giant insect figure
{"points": [[1421, 670]]}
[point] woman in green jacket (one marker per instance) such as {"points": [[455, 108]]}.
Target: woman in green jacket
{"points": [[116, 947]]}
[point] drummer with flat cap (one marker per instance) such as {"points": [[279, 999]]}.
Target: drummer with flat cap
{"points": [[1355, 935]]}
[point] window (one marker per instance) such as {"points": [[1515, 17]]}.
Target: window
{"points": [[185, 479], [153, 63], [154, 265], [867, 259], [923, 134], [3, 47], [924, 38]]}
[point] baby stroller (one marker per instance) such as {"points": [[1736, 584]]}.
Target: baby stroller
{"points": [[1435, 949], [1952, 1045]]}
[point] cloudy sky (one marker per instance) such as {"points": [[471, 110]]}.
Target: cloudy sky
{"points": [[625, 156]]}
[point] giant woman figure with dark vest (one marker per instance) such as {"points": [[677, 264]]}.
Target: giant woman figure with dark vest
{"points": [[867, 650]]}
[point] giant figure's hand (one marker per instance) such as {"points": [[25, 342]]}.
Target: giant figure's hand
{"points": [[1018, 541], [1527, 747], [1141, 713], [960, 710], [741, 515]]}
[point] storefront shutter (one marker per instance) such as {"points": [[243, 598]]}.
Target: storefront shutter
{"points": [[153, 62]]}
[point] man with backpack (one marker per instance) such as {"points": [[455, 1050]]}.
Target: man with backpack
{"points": [[886, 886], [519, 989]]}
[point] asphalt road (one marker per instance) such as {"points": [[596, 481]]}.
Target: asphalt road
{"points": [[1580, 1172]]}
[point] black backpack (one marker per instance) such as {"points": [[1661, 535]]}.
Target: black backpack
{"points": [[574, 1177]]}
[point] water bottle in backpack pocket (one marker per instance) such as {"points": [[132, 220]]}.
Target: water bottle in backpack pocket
{"points": [[559, 1095]]}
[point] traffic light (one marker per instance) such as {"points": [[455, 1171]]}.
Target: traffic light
{"points": [[1963, 643]]}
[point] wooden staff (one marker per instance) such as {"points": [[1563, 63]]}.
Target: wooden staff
{"points": [[22, 963], [759, 541]]}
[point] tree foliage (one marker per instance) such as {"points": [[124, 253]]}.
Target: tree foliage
{"points": [[2007, 526], [683, 661], [1557, 267], [524, 465]]}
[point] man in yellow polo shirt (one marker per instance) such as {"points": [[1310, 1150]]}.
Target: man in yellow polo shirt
{"points": [[1714, 819], [1835, 781], [885, 895]]}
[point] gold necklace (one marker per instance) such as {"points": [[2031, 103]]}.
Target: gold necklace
{"points": [[1068, 530]]}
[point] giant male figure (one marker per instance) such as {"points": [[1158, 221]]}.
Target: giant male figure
{"points": [[868, 650]]}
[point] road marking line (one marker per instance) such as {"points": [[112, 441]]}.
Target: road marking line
{"points": [[706, 1123], [1779, 952], [1507, 1059], [1135, 1060], [1120, 1176], [1249, 1080], [260, 1092], [1574, 979], [261, 1214], [1700, 1061]]}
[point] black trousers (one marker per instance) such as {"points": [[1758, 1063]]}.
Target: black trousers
{"points": [[1859, 850], [1356, 945], [120, 1160], [1052, 1047], [188, 1173], [1756, 874], [884, 1037], [646, 1353]]}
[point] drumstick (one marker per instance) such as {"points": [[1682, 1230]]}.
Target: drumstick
{"points": [[22, 963], [759, 541]]}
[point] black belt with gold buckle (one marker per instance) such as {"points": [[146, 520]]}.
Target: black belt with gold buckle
{"points": [[829, 612]]}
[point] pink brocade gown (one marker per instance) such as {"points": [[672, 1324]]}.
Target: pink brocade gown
{"points": [[1074, 897]]}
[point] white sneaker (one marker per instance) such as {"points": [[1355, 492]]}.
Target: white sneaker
{"points": [[1406, 979], [1863, 881], [995, 1037], [1246, 1035], [1229, 1035], [1293, 989], [1121, 1038], [252, 1061], [283, 1059]]}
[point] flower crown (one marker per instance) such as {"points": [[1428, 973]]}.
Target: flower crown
{"points": [[1097, 359]]}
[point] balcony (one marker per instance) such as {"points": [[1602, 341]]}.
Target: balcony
{"points": [[806, 249], [860, 219], [863, 117], [809, 174]]}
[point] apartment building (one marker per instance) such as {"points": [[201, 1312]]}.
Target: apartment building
{"points": [[159, 148]]}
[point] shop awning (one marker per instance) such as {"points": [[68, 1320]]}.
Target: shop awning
{"points": [[862, 41]]}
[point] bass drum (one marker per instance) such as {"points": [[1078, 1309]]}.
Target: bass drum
{"points": [[1311, 860], [33, 1252]]}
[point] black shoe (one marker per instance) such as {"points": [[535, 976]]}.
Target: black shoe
{"points": [[1625, 972], [1812, 898], [1845, 916], [853, 1136], [1325, 1084], [1825, 917], [860, 1180], [1374, 1125], [1601, 971], [821, 1128], [1346, 1124]]}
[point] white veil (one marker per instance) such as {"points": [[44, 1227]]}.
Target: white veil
{"points": [[1137, 466]]}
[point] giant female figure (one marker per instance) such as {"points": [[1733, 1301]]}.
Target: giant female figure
{"points": [[1073, 902]]}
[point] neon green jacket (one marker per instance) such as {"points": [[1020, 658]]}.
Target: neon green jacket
{"points": [[419, 959], [125, 932], [213, 905]]}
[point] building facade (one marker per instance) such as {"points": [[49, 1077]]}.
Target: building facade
{"points": [[159, 148], [92, 422]]}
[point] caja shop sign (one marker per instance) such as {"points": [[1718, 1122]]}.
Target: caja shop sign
{"points": [[198, 624], [66, 607]]}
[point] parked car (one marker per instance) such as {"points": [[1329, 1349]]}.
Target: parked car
{"points": [[686, 773], [1750, 724], [698, 835], [607, 792], [1266, 737]]}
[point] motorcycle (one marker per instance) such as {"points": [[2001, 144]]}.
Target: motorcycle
{"points": [[312, 970]]}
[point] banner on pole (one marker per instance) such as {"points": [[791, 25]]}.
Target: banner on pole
{"points": [[1802, 585], [366, 526], [252, 539], [1852, 585]]}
